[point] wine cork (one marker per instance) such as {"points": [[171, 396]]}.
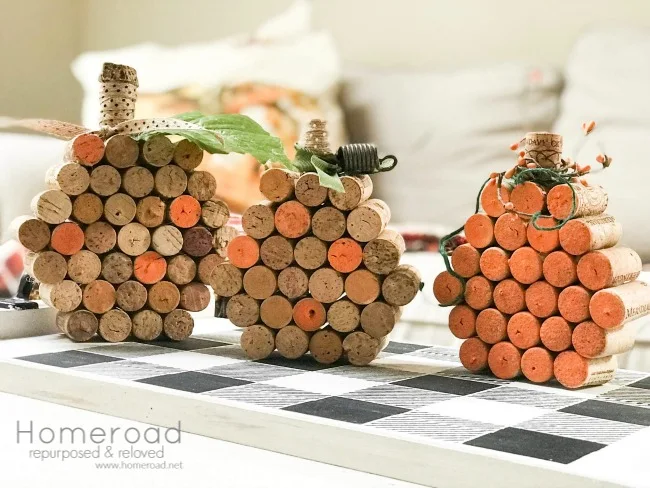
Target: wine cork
{"points": [[479, 231], [292, 342], [52, 206], [360, 348], [462, 321], [543, 240], [537, 365], [509, 297], [309, 191], [276, 312], [194, 297], [402, 285], [116, 268], [368, 220], [226, 280], [504, 360], [589, 200], [221, 239], [344, 316], [197, 241], [613, 307], [277, 185], [178, 325], [105, 180], [184, 211], [87, 208], [293, 282], [524, 330], [260, 282], [181, 269], [478, 292], [573, 304], [47, 267], [84, 267], [555, 334], [326, 345], [345, 255], [99, 296], [147, 325], [206, 267], [466, 260], [201, 185], [167, 240], [163, 297], [187, 155], [79, 326], [119, 209], [67, 238], [258, 342], [541, 299], [357, 189], [122, 151], [133, 239], [362, 287], [70, 178], [382, 255], [378, 319], [243, 310], [526, 265], [491, 326], [560, 269], [33, 234], [585, 234], [138, 182], [258, 221], [591, 341], [215, 213], [490, 200], [170, 181], [309, 314], [473, 354], [64, 296], [131, 296], [149, 268], [544, 148], [447, 289], [157, 151], [574, 371], [310, 253], [276, 252], [85, 149], [510, 232], [328, 224], [292, 219], [528, 197], [494, 264], [150, 211], [243, 251], [115, 326], [609, 267]]}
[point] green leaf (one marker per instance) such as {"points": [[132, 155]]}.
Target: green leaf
{"points": [[205, 139], [327, 175]]}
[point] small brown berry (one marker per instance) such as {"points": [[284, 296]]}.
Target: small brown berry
{"points": [[600, 158], [522, 154], [494, 175], [514, 146], [511, 172], [584, 182], [531, 165]]}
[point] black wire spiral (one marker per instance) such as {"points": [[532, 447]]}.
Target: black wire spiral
{"points": [[363, 159]]}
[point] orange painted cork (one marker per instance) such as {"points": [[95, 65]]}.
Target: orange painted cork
{"points": [[592, 341], [541, 299], [494, 264], [490, 201], [382, 255], [447, 289], [465, 260], [573, 304], [258, 342], [345, 255], [243, 251], [574, 371], [292, 219], [243, 310], [258, 221], [362, 287], [478, 292], [358, 189], [590, 200], [293, 282], [368, 220], [462, 321], [99, 296], [185, 211], [543, 240], [344, 316], [526, 265], [510, 232], [479, 231], [310, 253], [537, 365], [528, 198], [473, 354], [579, 236], [509, 297], [609, 267], [524, 330], [85, 149], [309, 191], [292, 342], [504, 360], [491, 326], [326, 346], [328, 224], [276, 312], [309, 314], [613, 307], [260, 282], [277, 185], [67, 238], [326, 285], [555, 334], [149, 268], [560, 269], [226, 280]]}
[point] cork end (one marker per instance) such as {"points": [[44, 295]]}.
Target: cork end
{"points": [[545, 148], [118, 72], [316, 139]]}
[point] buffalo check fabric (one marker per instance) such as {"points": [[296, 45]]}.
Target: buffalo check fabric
{"points": [[412, 390]]}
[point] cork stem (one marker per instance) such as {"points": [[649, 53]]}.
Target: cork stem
{"points": [[118, 94], [316, 139]]}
